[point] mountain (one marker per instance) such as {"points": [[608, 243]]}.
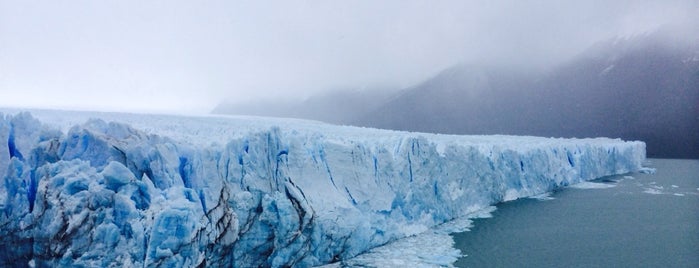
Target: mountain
{"points": [[644, 87], [464, 99], [338, 106]]}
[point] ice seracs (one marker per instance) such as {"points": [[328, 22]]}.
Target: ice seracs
{"points": [[147, 190]]}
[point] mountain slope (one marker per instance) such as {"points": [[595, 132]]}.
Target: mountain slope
{"points": [[339, 107], [645, 87]]}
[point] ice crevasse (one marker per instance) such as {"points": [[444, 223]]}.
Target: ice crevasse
{"points": [[106, 189]]}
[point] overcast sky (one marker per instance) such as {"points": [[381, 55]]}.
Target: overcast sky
{"points": [[186, 56]]}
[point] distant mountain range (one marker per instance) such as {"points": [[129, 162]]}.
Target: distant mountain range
{"points": [[337, 107], [644, 87]]}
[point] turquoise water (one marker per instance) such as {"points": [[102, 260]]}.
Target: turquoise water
{"points": [[637, 220]]}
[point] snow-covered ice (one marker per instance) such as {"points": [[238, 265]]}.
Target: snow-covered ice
{"points": [[109, 189]]}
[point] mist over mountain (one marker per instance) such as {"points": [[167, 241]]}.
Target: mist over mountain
{"points": [[643, 87], [338, 107]]}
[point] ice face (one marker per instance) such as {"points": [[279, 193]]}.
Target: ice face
{"points": [[189, 191]]}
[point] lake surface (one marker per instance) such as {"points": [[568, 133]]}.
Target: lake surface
{"points": [[637, 220]]}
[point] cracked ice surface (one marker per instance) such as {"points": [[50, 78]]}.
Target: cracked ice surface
{"points": [[156, 190]]}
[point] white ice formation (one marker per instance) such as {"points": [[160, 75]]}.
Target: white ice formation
{"points": [[149, 190]]}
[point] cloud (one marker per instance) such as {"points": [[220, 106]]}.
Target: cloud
{"points": [[187, 56]]}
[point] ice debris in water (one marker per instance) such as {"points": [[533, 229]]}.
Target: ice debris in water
{"points": [[592, 185], [647, 170]]}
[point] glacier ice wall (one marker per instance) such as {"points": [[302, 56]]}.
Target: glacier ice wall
{"points": [[176, 191]]}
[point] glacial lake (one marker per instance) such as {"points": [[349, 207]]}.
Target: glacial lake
{"points": [[632, 220]]}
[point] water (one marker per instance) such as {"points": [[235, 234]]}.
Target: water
{"points": [[638, 220]]}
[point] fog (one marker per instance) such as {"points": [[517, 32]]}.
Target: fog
{"points": [[186, 57]]}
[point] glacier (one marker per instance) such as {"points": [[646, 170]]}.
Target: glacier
{"points": [[116, 189]]}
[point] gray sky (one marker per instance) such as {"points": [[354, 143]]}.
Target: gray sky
{"points": [[186, 56]]}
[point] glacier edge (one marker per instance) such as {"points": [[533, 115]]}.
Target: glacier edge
{"points": [[163, 190]]}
